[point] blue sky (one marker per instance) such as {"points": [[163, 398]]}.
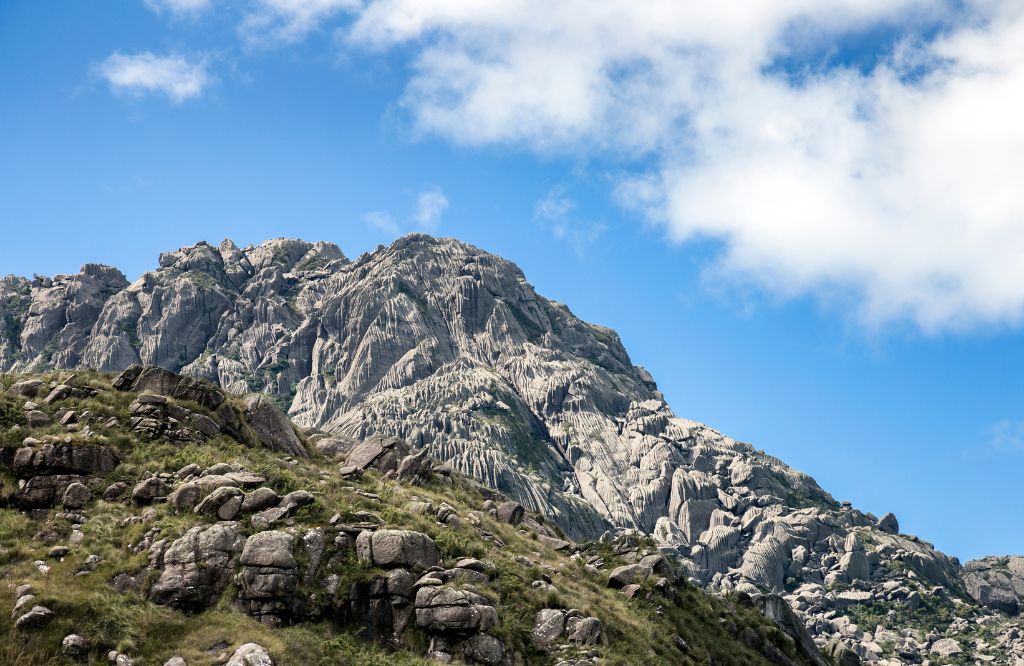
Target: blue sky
{"points": [[805, 222]]}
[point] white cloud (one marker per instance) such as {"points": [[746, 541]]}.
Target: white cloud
{"points": [[271, 22], [179, 7], [147, 73], [426, 214], [899, 186], [430, 206]]}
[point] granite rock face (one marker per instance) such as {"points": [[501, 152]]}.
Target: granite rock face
{"points": [[433, 345]]}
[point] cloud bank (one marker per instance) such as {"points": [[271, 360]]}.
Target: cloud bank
{"points": [[895, 185]]}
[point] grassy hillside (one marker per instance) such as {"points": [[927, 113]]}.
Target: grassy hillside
{"points": [[675, 625]]}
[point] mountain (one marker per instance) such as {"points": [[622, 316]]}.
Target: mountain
{"points": [[451, 350]]}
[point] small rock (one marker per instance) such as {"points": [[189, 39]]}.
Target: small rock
{"points": [[74, 646], [250, 654]]}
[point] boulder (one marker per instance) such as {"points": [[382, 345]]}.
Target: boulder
{"points": [[380, 453], [840, 654], [115, 491], [945, 647], [448, 610], [37, 617], [269, 578], [335, 446], [74, 646], [250, 654], [259, 499], [197, 567], [76, 496], [37, 419], [415, 466], [28, 388], [397, 548], [224, 503], [150, 490], [583, 630], [43, 491], [888, 523], [510, 512], [484, 649], [627, 574], [548, 627], [64, 458], [272, 426]]}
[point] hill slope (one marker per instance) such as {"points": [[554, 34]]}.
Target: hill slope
{"points": [[161, 519]]}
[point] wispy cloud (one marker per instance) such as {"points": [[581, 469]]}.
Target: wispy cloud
{"points": [[426, 214], [272, 22], [383, 221], [145, 73], [556, 211], [179, 8], [1007, 435]]}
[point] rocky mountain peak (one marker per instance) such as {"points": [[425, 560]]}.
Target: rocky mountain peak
{"points": [[451, 350]]}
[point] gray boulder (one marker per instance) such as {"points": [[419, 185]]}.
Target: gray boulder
{"points": [[64, 458], [37, 617], [272, 426], [224, 503], [250, 654], [76, 496], [548, 627], [888, 523], [448, 610], [197, 567], [269, 578], [150, 490], [397, 548], [627, 574], [380, 453]]}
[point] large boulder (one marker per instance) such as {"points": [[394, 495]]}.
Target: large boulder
{"points": [[548, 627], [628, 574], [397, 548], [224, 503], [445, 609], [272, 426], [197, 567], [65, 457], [44, 491], [840, 654], [269, 578], [888, 523], [380, 453]]}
